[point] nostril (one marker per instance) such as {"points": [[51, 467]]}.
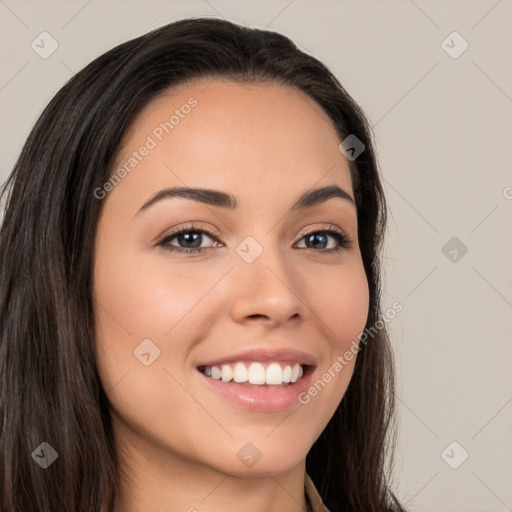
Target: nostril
{"points": [[257, 317]]}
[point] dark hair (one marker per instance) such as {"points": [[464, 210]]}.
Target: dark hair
{"points": [[49, 385]]}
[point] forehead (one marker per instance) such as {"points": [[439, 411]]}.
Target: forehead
{"points": [[241, 137]]}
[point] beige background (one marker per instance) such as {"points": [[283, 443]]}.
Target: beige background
{"points": [[444, 132]]}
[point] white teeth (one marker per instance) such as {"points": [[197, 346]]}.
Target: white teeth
{"points": [[256, 374], [240, 373], [274, 374], [295, 373], [226, 373]]}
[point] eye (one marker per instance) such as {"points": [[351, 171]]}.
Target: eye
{"points": [[318, 240], [190, 236]]}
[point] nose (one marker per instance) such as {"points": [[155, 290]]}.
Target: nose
{"points": [[266, 290]]}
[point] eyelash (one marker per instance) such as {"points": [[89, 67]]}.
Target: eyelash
{"points": [[341, 238]]}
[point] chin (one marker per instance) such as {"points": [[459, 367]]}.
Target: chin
{"points": [[260, 458]]}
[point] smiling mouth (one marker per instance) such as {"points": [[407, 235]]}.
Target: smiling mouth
{"points": [[258, 375], [263, 396]]}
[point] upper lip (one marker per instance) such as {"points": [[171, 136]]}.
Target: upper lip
{"points": [[261, 354]]}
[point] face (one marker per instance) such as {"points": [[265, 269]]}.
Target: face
{"points": [[262, 282]]}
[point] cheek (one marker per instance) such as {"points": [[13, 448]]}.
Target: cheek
{"points": [[139, 298], [340, 298], [148, 297], [340, 301]]}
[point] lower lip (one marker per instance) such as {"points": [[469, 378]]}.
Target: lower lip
{"points": [[261, 399]]}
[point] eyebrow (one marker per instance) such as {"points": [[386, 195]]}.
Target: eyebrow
{"points": [[224, 200]]}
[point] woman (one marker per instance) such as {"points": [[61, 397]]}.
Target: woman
{"points": [[189, 256]]}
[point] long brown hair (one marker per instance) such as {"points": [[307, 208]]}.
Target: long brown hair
{"points": [[50, 390]]}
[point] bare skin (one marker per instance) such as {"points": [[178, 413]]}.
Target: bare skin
{"points": [[176, 438]]}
